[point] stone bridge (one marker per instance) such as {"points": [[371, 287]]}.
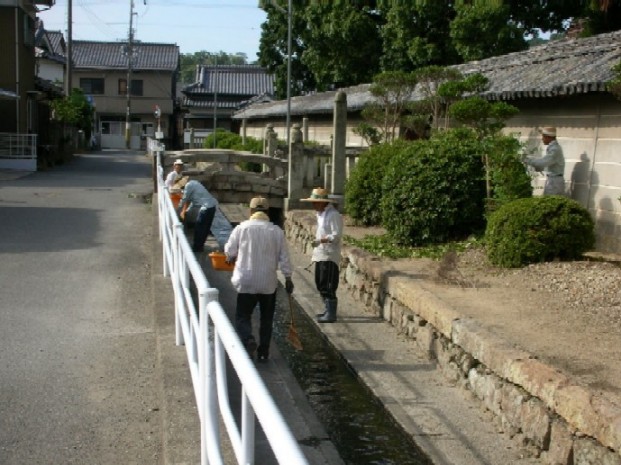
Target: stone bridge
{"points": [[219, 170]]}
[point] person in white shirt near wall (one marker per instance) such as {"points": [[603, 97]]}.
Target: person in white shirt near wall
{"points": [[258, 247], [552, 163], [174, 175], [327, 251]]}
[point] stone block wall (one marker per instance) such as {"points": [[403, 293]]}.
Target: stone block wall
{"points": [[560, 422]]}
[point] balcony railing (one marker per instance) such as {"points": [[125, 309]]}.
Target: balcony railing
{"points": [[18, 151]]}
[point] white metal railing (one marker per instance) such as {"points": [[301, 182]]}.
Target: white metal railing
{"points": [[18, 146], [209, 337]]}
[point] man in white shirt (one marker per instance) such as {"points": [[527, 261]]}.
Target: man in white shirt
{"points": [[258, 248], [175, 174], [327, 251], [552, 163]]}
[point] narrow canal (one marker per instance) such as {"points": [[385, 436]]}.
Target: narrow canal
{"points": [[358, 425]]}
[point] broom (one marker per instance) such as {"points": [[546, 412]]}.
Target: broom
{"points": [[293, 337]]}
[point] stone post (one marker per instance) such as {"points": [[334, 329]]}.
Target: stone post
{"points": [[297, 168], [305, 129], [270, 141], [337, 188]]}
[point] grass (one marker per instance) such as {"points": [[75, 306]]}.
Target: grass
{"points": [[384, 246]]}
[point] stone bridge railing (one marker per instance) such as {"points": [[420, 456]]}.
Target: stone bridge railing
{"points": [[284, 185], [218, 170]]}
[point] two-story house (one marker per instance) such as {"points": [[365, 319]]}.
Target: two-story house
{"points": [[50, 53], [102, 70], [18, 89]]}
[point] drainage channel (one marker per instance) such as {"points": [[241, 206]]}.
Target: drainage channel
{"points": [[357, 423]]}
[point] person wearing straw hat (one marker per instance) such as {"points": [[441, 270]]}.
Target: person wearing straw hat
{"points": [[175, 174], [326, 251], [258, 247], [552, 163]]}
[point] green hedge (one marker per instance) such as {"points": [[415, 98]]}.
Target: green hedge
{"points": [[434, 190], [538, 229]]}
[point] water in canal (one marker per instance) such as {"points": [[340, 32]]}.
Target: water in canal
{"points": [[358, 425]]}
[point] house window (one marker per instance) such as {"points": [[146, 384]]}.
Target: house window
{"points": [[92, 86], [136, 87]]}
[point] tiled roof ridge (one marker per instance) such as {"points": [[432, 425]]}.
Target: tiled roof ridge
{"points": [[122, 42]]}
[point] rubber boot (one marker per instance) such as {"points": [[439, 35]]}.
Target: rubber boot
{"points": [[330, 315], [325, 309]]}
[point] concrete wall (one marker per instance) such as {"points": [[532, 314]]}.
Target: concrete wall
{"points": [[589, 131], [320, 129]]}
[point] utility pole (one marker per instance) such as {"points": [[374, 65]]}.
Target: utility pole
{"points": [[130, 57], [69, 64], [289, 13]]}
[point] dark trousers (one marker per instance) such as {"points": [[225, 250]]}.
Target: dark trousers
{"points": [[202, 227], [243, 313], [327, 279]]}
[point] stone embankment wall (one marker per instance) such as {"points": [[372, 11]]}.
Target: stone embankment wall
{"points": [[561, 422]]}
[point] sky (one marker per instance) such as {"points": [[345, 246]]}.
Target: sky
{"points": [[231, 26]]}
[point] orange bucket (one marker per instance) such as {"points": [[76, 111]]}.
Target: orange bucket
{"points": [[218, 262], [176, 198]]}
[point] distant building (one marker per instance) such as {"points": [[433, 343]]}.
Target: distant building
{"points": [[219, 91], [100, 69]]}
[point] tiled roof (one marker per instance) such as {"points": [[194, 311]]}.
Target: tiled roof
{"points": [[57, 41], [112, 55], [564, 67], [245, 81]]}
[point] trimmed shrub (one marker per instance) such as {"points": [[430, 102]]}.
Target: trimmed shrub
{"points": [[510, 180], [538, 229], [363, 189], [434, 189]]}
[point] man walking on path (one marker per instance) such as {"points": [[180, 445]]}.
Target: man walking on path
{"points": [[327, 251], [258, 248], [552, 163]]}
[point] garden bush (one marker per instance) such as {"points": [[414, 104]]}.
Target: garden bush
{"points": [[509, 178], [363, 188], [232, 141], [434, 190], [538, 229]]}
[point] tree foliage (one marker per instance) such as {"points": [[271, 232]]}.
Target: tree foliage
{"points": [[74, 110], [342, 43], [189, 62]]}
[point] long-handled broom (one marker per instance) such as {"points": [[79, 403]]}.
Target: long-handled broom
{"points": [[293, 337]]}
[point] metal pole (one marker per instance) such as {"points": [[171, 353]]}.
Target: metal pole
{"points": [[288, 123]]}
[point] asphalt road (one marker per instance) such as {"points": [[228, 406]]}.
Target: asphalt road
{"points": [[77, 341]]}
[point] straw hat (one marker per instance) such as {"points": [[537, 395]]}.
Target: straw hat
{"points": [[180, 184], [259, 203], [319, 194], [548, 131]]}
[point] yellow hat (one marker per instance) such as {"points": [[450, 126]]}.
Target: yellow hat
{"points": [[259, 203], [319, 194]]}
